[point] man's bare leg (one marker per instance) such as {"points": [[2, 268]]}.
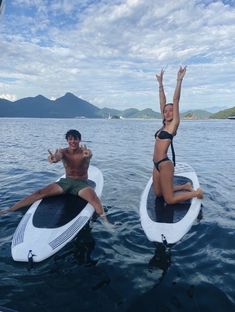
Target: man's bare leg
{"points": [[90, 195], [50, 190]]}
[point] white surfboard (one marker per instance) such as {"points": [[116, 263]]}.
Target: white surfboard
{"points": [[171, 222], [51, 223]]}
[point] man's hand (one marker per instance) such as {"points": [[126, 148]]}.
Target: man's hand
{"points": [[86, 152], [52, 158]]}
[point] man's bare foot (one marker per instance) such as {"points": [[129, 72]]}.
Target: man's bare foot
{"points": [[3, 212], [199, 193]]}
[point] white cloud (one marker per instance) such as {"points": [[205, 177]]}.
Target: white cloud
{"points": [[10, 97], [107, 52]]}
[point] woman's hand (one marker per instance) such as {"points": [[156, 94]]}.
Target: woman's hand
{"points": [[160, 77], [181, 73]]}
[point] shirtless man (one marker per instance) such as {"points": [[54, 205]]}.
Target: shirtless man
{"points": [[76, 159]]}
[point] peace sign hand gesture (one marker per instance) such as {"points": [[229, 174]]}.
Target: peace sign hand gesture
{"points": [[86, 152], [53, 158]]}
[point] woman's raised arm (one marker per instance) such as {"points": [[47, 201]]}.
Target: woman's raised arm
{"points": [[162, 96], [176, 97]]}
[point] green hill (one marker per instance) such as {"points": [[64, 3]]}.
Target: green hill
{"points": [[146, 114], [108, 112], [130, 112], [195, 114], [224, 113]]}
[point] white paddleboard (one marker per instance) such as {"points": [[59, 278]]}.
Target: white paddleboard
{"points": [[170, 222], [51, 223], [2, 309]]}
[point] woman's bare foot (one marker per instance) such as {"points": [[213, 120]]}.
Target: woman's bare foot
{"points": [[188, 187]]}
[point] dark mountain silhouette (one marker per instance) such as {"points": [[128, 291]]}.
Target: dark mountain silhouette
{"points": [[71, 106], [67, 106], [38, 106], [6, 108]]}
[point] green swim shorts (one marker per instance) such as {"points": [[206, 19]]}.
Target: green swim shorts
{"points": [[72, 186]]}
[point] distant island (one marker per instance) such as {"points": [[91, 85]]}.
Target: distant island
{"points": [[71, 106]]}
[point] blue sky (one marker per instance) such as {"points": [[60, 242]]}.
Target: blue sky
{"points": [[108, 51]]}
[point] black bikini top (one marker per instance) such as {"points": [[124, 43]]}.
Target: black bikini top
{"points": [[164, 135]]}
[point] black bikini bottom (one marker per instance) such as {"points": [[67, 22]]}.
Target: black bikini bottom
{"points": [[157, 163]]}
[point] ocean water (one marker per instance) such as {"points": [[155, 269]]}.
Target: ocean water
{"points": [[103, 271]]}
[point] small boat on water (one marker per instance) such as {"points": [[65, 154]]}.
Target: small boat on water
{"points": [[231, 117]]}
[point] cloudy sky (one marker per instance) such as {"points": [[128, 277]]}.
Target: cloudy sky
{"points": [[108, 51]]}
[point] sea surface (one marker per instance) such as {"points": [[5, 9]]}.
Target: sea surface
{"points": [[122, 271]]}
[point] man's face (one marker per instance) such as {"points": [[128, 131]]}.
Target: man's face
{"points": [[73, 142]]}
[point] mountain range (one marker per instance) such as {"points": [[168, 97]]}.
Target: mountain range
{"points": [[71, 106]]}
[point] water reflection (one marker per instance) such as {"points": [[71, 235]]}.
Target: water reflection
{"points": [[161, 259], [84, 244], [82, 247]]}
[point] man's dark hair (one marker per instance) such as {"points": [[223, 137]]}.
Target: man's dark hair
{"points": [[73, 133]]}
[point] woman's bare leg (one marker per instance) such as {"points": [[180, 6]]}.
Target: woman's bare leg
{"points": [[157, 186], [168, 192], [156, 183], [183, 187]]}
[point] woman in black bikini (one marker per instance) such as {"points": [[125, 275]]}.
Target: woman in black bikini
{"points": [[163, 171]]}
